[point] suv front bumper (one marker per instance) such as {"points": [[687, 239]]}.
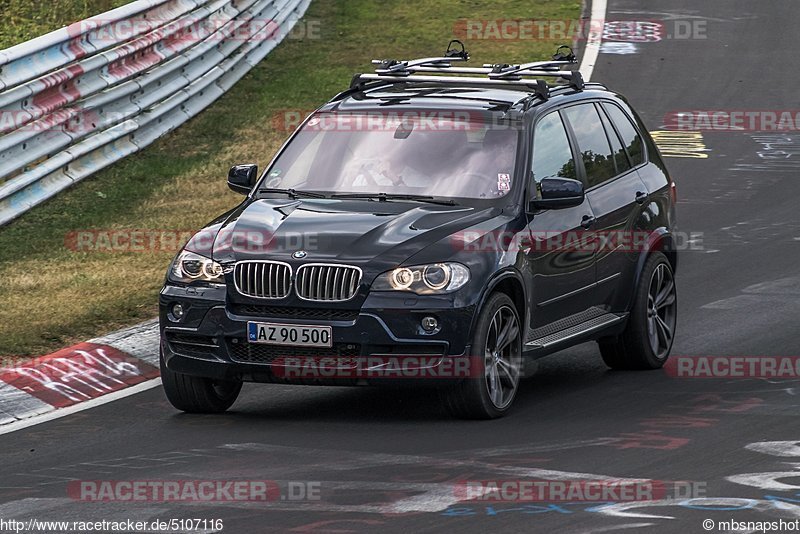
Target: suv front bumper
{"points": [[368, 344]]}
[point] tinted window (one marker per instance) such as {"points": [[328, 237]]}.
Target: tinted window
{"points": [[630, 137], [620, 158], [552, 155], [592, 143]]}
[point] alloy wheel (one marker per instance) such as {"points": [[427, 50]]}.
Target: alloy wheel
{"points": [[502, 357], [662, 304]]}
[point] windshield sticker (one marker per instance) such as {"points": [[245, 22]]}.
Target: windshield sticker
{"points": [[504, 182]]}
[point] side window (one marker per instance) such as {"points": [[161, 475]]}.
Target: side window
{"points": [[630, 137], [592, 143], [552, 155], [620, 157]]}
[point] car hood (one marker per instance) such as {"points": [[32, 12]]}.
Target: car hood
{"points": [[382, 234]]}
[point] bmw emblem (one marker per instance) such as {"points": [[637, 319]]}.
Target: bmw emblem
{"points": [[300, 254]]}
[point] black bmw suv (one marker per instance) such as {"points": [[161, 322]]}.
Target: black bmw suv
{"points": [[438, 223]]}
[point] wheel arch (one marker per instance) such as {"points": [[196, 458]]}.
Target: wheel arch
{"points": [[661, 240], [510, 282]]}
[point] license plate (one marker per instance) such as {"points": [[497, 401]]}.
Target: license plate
{"points": [[290, 334]]}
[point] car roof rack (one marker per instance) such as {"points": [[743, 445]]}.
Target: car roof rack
{"points": [[430, 70]]}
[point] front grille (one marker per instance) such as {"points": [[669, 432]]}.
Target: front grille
{"points": [[192, 345], [346, 354], [263, 279], [283, 312], [327, 283]]}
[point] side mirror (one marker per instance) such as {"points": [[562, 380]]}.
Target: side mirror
{"points": [[558, 193], [242, 178]]}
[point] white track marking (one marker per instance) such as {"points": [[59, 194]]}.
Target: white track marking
{"points": [[785, 449], [614, 528], [592, 52], [63, 412], [630, 509]]}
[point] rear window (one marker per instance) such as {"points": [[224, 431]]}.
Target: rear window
{"points": [[630, 137], [620, 156]]}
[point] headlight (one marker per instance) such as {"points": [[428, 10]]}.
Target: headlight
{"points": [[435, 278], [190, 267]]}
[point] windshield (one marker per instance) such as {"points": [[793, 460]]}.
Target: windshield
{"points": [[399, 154]]}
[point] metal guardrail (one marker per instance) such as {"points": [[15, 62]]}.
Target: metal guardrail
{"points": [[78, 99]]}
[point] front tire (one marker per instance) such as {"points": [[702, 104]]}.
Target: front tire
{"points": [[495, 367], [193, 394], [647, 340]]}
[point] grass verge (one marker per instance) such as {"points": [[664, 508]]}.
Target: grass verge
{"points": [[51, 296], [22, 20]]}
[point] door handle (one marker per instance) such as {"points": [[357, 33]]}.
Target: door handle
{"points": [[588, 221], [641, 197]]}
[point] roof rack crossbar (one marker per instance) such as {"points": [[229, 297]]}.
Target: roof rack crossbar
{"points": [[443, 65], [404, 68], [499, 75], [457, 80], [477, 71], [574, 77], [490, 70], [504, 71]]}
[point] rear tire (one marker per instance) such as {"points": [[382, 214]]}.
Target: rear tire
{"points": [[494, 367], [647, 339], [193, 394]]}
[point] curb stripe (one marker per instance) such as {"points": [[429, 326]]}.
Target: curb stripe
{"points": [[79, 377], [77, 374]]}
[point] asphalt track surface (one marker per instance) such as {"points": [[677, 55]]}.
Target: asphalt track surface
{"points": [[390, 461]]}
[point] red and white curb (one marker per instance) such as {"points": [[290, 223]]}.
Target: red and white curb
{"points": [[79, 377]]}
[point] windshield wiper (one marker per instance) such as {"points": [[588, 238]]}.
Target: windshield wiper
{"points": [[293, 193], [383, 197]]}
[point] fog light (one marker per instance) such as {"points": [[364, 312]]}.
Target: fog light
{"points": [[430, 324], [177, 312]]}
